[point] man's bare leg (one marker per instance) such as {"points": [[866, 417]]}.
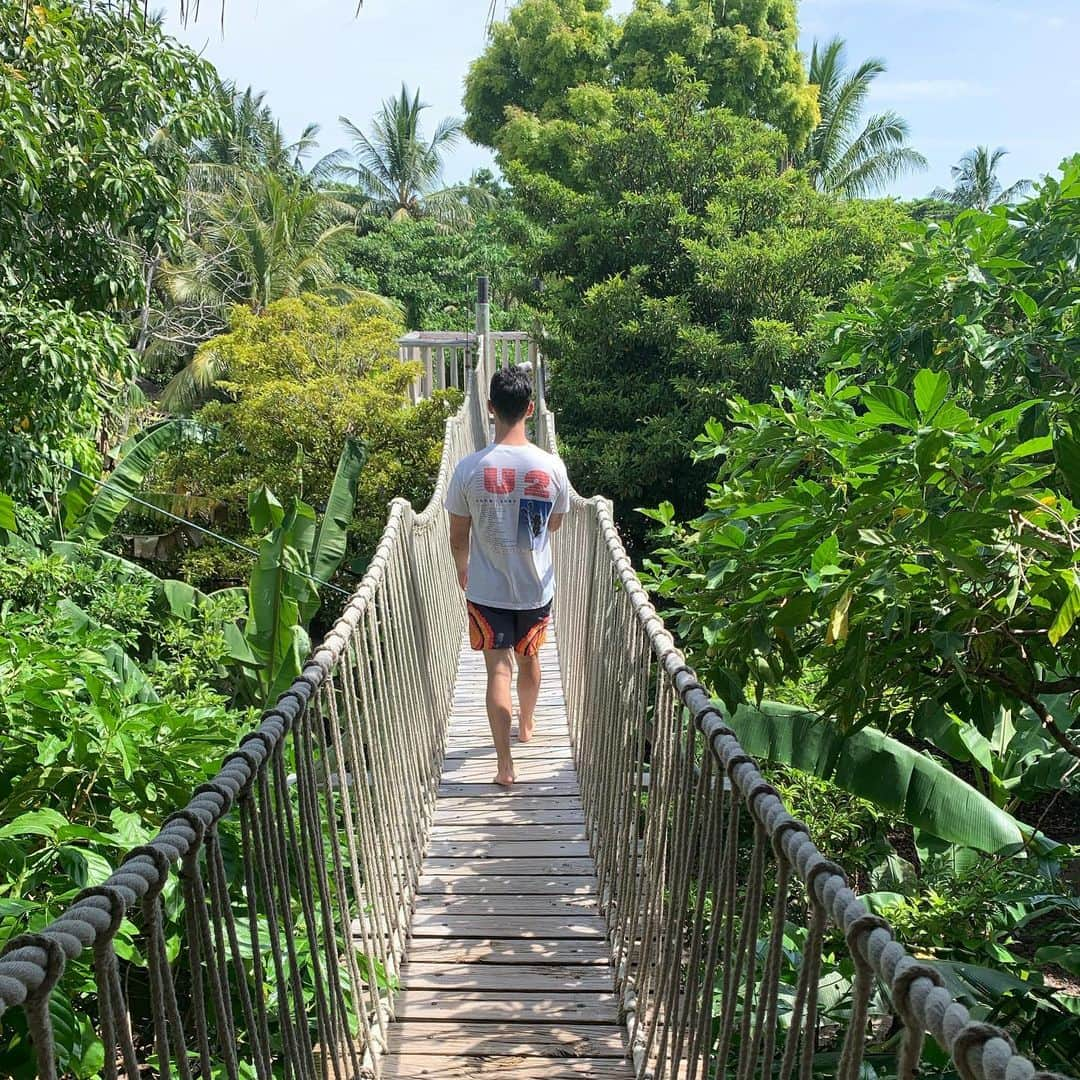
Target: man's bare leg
{"points": [[500, 670], [528, 690]]}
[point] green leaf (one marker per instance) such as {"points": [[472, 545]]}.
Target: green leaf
{"points": [[7, 513], [1029, 448], [331, 537], [880, 770], [826, 554], [931, 389], [887, 405], [264, 509], [97, 521], [1027, 303], [1068, 612], [44, 823]]}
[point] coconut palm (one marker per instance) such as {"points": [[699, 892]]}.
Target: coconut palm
{"points": [[399, 172], [252, 137], [839, 156], [261, 238], [976, 184]]}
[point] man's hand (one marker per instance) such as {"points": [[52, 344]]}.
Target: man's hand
{"points": [[459, 546]]}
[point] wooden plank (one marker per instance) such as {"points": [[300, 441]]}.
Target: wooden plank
{"points": [[505, 814], [478, 1039], [529, 770], [546, 927], [512, 800], [519, 831], [471, 789], [505, 1067], [523, 907], [549, 978], [481, 748], [508, 849], [452, 884], [530, 866], [499, 951], [517, 1007]]}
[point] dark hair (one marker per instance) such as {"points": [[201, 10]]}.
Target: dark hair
{"points": [[511, 392]]}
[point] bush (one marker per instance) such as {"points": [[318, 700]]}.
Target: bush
{"points": [[302, 376]]}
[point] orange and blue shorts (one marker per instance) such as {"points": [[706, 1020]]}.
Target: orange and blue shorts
{"points": [[501, 628]]}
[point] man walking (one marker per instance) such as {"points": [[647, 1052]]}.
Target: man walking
{"points": [[505, 501]]}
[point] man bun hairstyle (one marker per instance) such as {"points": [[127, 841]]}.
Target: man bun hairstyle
{"points": [[510, 394]]}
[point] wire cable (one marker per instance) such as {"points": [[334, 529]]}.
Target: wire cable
{"points": [[191, 524]]}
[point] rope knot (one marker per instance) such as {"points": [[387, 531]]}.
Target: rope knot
{"points": [[859, 931], [162, 865], [974, 1036]]}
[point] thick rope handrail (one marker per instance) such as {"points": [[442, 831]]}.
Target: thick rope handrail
{"points": [[915, 987], [420, 590], [690, 842]]}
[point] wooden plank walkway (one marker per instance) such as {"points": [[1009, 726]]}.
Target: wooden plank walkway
{"points": [[508, 969]]}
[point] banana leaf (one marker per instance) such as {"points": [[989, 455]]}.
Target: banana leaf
{"points": [[93, 518], [881, 770], [332, 537], [277, 593]]}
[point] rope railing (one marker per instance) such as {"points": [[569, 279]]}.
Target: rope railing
{"points": [[291, 874], [271, 914], [719, 906]]}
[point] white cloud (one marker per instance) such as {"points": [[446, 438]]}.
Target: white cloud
{"points": [[928, 89]]}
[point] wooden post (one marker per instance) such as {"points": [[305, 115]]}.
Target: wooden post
{"points": [[485, 367]]}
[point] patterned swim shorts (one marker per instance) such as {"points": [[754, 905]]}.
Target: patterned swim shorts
{"points": [[501, 628]]}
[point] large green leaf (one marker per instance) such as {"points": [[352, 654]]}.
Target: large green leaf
{"points": [[279, 589], [96, 520], [133, 676], [880, 770], [331, 537], [7, 513]]}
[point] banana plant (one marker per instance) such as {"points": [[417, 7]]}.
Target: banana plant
{"points": [[90, 515], [296, 555], [295, 558], [883, 771]]}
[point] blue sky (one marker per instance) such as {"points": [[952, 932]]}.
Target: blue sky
{"points": [[963, 72]]}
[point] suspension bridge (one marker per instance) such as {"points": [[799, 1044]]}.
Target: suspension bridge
{"points": [[359, 900]]}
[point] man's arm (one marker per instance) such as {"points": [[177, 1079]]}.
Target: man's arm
{"points": [[555, 522], [459, 546]]}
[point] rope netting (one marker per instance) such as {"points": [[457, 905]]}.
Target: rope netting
{"points": [[720, 908], [271, 913]]}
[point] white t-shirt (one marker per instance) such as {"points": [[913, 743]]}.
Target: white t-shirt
{"points": [[509, 492]]}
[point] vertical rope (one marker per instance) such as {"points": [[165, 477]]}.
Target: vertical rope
{"points": [[329, 854]]}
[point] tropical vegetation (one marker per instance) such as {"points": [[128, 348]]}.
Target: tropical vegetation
{"points": [[840, 156], [852, 423]]}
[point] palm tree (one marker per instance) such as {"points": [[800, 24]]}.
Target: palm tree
{"points": [[261, 238], [840, 157], [976, 184], [399, 173], [252, 137]]}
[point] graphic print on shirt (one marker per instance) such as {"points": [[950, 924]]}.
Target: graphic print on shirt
{"points": [[533, 511]]}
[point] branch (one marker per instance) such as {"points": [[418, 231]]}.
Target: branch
{"points": [[1040, 710]]}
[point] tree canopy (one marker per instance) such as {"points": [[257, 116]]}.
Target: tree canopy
{"points": [[909, 523], [94, 110], [745, 52], [680, 267]]}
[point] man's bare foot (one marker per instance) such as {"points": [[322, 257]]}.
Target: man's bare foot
{"points": [[505, 777], [525, 730]]}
